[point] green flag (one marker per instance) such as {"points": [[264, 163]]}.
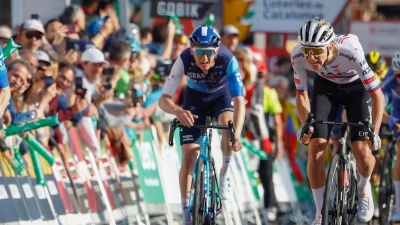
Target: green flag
{"points": [[10, 48]]}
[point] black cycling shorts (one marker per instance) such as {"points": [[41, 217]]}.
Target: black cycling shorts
{"points": [[328, 96], [202, 104]]}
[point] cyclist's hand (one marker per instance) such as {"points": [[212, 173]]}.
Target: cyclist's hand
{"points": [[237, 146], [377, 142], [306, 137], [185, 117]]}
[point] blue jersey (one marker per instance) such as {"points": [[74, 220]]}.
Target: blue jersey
{"points": [[225, 72], [391, 90], [3, 71]]}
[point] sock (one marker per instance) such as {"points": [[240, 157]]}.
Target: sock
{"points": [[375, 193], [318, 195], [397, 193], [362, 183], [225, 164], [185, 213]]}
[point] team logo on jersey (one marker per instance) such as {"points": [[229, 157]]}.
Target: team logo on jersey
{"points": [[333, 67], [363, 62], [366, 71], [348, 57], [297, 81], [369, 80], [300, 54], [336, 70]]}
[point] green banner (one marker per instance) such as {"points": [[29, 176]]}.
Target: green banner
{"points": [[146, 164], [250, 172]]}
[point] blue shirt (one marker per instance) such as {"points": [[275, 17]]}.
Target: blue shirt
{"points": [[391, 90]]}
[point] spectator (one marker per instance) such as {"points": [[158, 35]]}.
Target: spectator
{"points": [[74, 17], [145, 37], [31, 34], [230, 37], [180, 43], [44, 68], [89, 7], [55, 34], [30, 57]]}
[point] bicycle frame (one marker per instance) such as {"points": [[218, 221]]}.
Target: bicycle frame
{"points": [[205, 154]]}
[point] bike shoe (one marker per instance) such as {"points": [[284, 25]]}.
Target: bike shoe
{"points": [[365, 208], [226, 189]]}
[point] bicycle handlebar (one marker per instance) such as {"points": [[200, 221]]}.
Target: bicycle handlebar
{"points": [[310, 121], [176, 123]]}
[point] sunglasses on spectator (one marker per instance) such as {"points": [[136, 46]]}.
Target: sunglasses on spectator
{"points": [[201, 51], [41, 68], [30, 35], [313, 51], [64, 79]]}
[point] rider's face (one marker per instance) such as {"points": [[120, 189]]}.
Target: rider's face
{"points": [[204, 56], [316, 57]]}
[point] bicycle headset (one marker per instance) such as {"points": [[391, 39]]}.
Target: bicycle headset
{"points": [[316, 33]]}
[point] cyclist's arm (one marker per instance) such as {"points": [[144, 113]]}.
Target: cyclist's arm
{"points": [[170, 87], [371, 85], [5, 92], [236, 90], [302, 101]]}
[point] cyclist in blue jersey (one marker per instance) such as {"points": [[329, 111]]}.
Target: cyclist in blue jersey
{"points": [[214, 85], [5, 92], [391, 90]]}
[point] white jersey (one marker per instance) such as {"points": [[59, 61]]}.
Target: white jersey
{"points": [[349, 65]]}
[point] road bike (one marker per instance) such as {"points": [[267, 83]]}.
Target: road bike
{"points": [[204, 202], [340, 196]]}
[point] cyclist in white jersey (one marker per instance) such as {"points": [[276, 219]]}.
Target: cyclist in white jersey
{"points": [[344, 78]]}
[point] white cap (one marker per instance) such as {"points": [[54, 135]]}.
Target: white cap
{"points": [[93, 55], [229, 29], [33, 25], [43, 56]]}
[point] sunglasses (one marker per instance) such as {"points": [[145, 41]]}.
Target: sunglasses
{"points": [[313, 51], [30, 35], [201, 51]]}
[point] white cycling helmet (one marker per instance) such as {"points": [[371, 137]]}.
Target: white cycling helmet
{"points": [[316, 33], [396, 61]]}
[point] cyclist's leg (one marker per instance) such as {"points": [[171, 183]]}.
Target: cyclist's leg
{"points": [[190, 150], [223, 111], [359, 109]]}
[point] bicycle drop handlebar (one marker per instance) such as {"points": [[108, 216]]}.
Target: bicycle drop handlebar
{"points": [[176, 123], [310, 121]]}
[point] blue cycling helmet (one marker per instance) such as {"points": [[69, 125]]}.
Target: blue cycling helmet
{"points": [[204, 36]]}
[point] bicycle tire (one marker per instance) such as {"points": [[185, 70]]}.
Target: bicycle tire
{"points": [[350, 209], [386, 191], [334, 216], [213, 193], [198, 212]]}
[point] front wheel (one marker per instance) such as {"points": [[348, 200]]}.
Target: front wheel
{"points": [[333, 204], [386, 191], [198, 213]]}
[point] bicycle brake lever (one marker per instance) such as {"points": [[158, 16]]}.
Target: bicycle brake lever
{"points": [[370, 129], [308, 124], [232, 131], [172, 131]]}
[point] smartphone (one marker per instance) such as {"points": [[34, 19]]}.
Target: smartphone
{"points": [[109, 71], [48, 81], [106, 18], [134, 97], [70, 44], [71, 29], [79, 90], [35, 16]]}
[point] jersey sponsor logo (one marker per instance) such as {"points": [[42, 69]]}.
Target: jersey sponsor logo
{"points": [[293, 63], [333, 67], [336, 70], [369, 80], [348, 57], [219, 67], [300, 54], [366, 71], [2, 64], [194, 75], [363, 62], [297, 81]]}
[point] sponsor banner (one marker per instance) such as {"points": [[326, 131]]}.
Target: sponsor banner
{"points": [[381, 36], [287, 16]]}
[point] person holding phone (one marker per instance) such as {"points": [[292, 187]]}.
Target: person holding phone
{"points": [[45, 65]]}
